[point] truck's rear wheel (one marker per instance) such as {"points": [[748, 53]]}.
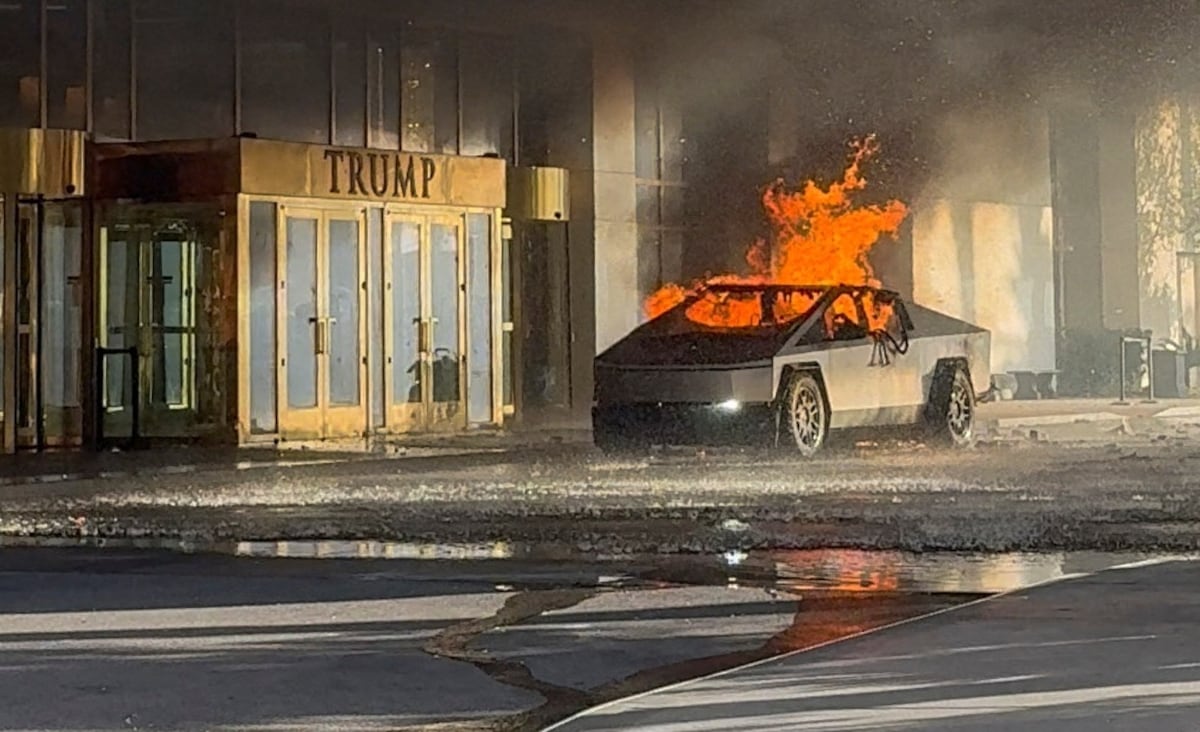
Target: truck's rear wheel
{"points": [[806, 413], [952, 405]]}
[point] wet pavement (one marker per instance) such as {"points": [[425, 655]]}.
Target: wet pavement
{"points": [[1115, 650], [504, 588], [142, 639], [1132, 494]]}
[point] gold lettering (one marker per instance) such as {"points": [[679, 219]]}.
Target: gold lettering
{"points": [[379, 173], [357, 187], [428, 169], [335, 163], [405, 182]]}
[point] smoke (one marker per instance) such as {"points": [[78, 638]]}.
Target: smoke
{"points": [[896, 67], [955, 92]]}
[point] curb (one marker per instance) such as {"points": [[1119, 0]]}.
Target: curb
{"points": [[1055, 419]]}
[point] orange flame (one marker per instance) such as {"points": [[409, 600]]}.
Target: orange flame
{"points": [[819, 237]]}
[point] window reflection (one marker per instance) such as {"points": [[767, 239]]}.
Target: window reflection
{"points": [[429, 102], [383, 88], [165, 69], [20, 89], [487, 96], [110, 69], [184, 64], [555, 101], [444, 295], [406, 311], [350, 83], [66, 64], [285, 72], [344, 313], [479, 318], [262, 317]]}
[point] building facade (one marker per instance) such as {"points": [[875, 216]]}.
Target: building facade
{"points": [[278, 220], [274, 220]]}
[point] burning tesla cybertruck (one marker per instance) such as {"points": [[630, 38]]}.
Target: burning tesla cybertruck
{"points": [[787, 365]]}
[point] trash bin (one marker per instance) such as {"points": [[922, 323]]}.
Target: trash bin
{"points": [[1170, 374]]}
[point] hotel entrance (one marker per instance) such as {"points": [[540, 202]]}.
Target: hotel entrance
{"points": [[256, 291], [372, 287]]}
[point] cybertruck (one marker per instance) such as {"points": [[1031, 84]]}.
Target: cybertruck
{"points": [[787, 365]]}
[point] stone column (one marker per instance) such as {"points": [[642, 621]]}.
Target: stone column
{"points": [[617, 302], [1118, 223]]}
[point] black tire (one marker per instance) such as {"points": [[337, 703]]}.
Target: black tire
{"points": [[805, 413], [952, 407]]}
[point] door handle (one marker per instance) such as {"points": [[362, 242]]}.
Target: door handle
{"points": [[319, 334], [424, 337]]}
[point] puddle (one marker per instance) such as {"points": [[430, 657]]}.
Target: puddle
{"points": [[840, 570], [373, 550], [876, 571], [289, 549]]}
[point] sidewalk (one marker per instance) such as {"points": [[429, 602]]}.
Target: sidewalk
{"points": [[177, 459], [1073, 420], [1065, 420]]}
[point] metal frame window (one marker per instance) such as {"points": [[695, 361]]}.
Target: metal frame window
{"points": [[82, 58]]}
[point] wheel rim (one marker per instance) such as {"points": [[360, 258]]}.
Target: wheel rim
{"points": [[808, 418], [961, 412]]}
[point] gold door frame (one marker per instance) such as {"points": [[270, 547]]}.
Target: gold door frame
{"points": [[447, 416], [324, 420], [403, 415], [345, 420], [426, 415]]}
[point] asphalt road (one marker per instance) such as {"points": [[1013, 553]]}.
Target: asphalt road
{"points": [[92, 641], [121, 640], [1118, 650]]}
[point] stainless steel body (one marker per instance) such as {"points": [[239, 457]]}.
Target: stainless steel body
{"points": [[883, 377]]}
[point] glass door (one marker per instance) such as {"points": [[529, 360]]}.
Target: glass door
{"points": [[61, 321], [424, 323], [49, 320], [151, 276], [322, 366], [29, 245]]}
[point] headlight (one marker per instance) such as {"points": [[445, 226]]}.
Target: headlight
{"points": [[729, 405]]}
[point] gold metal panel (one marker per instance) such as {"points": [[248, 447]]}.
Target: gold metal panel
{"points": [[273, 168], [42, 162], [540, 194]]}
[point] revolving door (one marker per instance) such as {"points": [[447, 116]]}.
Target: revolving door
{"points": [[157, 308]]}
